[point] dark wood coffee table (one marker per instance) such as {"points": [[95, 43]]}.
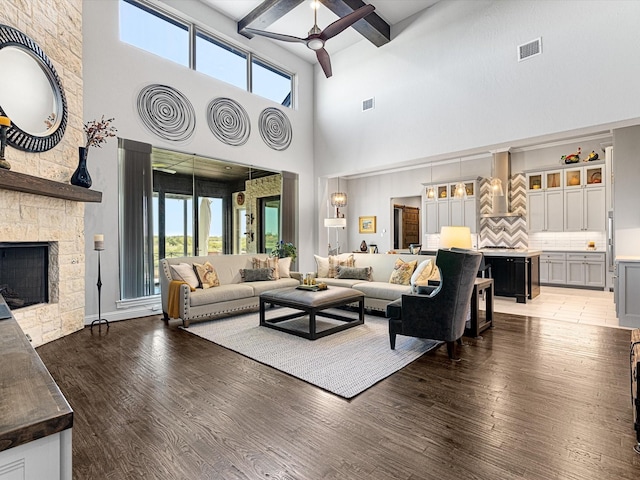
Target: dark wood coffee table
{"points": [[312, 304]]}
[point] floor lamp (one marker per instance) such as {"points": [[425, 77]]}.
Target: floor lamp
{"points": [[98, 245]]}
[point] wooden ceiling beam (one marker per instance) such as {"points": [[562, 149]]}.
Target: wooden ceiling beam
{"points": [[372, 27], [265, 14]]}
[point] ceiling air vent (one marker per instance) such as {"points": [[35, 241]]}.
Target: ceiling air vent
{"points": [[530, 49], [368, 104]]}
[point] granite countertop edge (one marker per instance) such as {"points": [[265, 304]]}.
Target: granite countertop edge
{"points": [[38, 392]]}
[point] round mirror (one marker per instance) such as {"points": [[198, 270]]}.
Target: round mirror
{"points": [[31, 94]]}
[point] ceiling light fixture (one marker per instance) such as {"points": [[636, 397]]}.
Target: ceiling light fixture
{"points": [[460, 189], [431, 191]]}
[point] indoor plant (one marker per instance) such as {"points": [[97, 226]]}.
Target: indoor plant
{"points": [[282, 250]]}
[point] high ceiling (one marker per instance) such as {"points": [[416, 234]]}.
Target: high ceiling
{"points": [[298, 21]]}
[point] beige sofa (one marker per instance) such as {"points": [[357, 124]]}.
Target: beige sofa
{"points": [[378, 291], [231, 296]]}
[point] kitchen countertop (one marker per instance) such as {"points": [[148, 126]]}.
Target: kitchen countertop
{"points": [[571, 250], [510, 252], [627, 258], [32, 405]]}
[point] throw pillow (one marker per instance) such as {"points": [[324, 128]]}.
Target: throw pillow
{"points": [[269, 262], [284, 267], [354, 273], [322, 266], [422, 274], [206, 275], [184, 272], [256, 274], [335, 261], [402, 272]]}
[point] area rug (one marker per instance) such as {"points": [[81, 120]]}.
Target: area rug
{"points": [[345, 363]]}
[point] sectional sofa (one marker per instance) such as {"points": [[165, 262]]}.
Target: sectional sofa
{"points": [[233, 294], [184, 297], [376, 285]]}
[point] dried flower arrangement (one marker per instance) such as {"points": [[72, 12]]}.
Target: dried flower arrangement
{"points": [[97, 132]]}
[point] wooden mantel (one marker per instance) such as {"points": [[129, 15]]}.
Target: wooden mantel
{"points": [[22, 182]]}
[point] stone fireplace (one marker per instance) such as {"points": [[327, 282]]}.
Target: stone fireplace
{"points": [[45, 211], [41, 220]]}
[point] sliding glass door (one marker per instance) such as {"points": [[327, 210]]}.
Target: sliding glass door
{"points": [[269, 221]]}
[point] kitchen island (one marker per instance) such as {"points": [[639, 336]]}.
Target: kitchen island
{"points": [[35, 418], [515, 272]]}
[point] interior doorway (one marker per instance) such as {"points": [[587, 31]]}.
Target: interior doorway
{"points": [[406, 222]]}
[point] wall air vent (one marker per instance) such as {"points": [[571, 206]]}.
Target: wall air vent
{"points": [[368, 104], [530, 49]]}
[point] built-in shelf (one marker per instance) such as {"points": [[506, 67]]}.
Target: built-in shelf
{"points": [[22, 182]]}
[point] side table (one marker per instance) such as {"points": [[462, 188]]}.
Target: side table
{"points": [[481, 320]]}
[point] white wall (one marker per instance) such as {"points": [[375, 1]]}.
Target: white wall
{"points": [[449, 84], [449, 81], [114, 73], [626, 161]]}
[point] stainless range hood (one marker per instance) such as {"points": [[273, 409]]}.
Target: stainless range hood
{"points": [[501, 205]]}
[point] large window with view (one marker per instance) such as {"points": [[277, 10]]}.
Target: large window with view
{"points": [[167, 36], [221, 61], [154, 32]]}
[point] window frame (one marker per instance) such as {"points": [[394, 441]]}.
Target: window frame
{"points": [[195, 29]]}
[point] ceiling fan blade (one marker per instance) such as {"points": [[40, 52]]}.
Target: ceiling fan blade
{"points": [[276, 36], [325, 63], [345, 22]]}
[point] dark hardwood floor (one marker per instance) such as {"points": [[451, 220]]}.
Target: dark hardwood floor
{"points": [[534, 399]]}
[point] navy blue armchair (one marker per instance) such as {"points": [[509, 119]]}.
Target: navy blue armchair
{"points": [[438, 313]]}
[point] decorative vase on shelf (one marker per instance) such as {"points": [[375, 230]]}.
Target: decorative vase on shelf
{"points": [[81, 176]]}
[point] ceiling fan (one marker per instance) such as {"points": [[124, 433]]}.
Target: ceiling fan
{"points": [[316, 37]]}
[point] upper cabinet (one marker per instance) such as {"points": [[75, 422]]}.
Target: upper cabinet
{"points": [[444, 209], [583, 176], [570, 198], [545, 180]]}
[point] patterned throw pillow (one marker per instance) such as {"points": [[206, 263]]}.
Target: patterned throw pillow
{"points": [[354, 273], [206, 275], [335, 261], [402, 272], [257, 274], [269, 262]]}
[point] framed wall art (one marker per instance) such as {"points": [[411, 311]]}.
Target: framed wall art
{"points": [[367, 225]]}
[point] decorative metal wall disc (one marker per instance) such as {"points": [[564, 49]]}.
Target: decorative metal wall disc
{"points": [[275, 129], [166, 112], [228, 121]]}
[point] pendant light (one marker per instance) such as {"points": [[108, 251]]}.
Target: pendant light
{"points": [[460, 189], [431, 192]]}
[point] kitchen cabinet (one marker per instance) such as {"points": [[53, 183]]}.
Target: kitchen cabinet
{"points": [[553, 268], [515, 276], [545, 211], [627, 279], [586, 269], [584, 209], [431, 220], [444, 209], [567, 199]]}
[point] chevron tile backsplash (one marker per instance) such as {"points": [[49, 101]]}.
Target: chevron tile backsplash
{"points": [[507, 231]]}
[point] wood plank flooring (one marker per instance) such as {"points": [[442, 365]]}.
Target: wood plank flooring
{"points": [[534, 399]]}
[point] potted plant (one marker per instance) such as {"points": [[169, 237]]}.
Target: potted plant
{"points": [[282, 250]]}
